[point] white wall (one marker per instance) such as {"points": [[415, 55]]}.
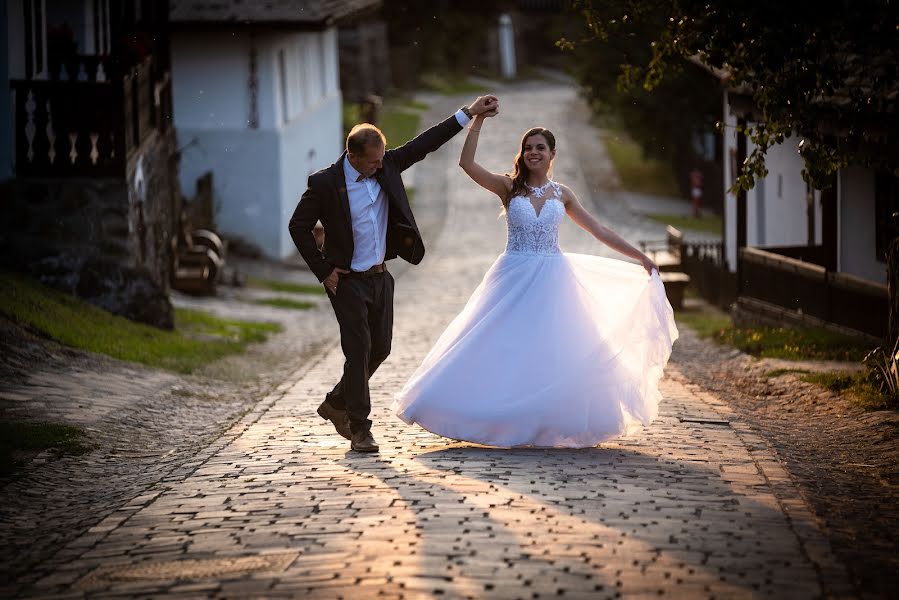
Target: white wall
{"points": [[855, 198], [258, 174], [307, 145], [311, 138], [209, 80], [776, 208]]}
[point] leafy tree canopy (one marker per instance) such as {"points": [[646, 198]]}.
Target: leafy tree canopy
{"points": [[824, 70]]}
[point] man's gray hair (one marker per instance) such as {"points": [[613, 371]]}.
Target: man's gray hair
{"points": [[363, 135]]}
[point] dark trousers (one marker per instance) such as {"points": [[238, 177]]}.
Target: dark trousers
{"points": [[364, 309]]}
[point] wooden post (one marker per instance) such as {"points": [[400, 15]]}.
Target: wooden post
{"points": [[741, 200], [829, 220]]}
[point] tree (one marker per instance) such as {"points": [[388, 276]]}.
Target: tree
{"points": [[664, 120], [825, 70]]}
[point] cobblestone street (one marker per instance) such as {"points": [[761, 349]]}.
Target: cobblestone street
{"points": [[695, 506]]}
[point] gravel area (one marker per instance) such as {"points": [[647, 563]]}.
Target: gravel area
{"points": [[844, 459]]}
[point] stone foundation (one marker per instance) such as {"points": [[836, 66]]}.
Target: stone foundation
{"points": [[104, 240]]}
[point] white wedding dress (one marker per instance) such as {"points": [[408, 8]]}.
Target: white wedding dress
{"points": [[552, 349]]}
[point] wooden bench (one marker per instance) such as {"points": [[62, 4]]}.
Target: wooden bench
{"points": [[667, 253], [675, 285]]}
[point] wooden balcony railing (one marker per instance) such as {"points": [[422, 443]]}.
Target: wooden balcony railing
{"points": [[86, 128]]}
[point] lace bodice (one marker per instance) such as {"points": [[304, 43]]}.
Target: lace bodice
{"points": [[532, 233]]}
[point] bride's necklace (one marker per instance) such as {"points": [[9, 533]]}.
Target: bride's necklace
{"points": [[539, 191]]}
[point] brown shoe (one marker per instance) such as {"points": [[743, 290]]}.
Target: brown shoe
{"points": [[362, 441], [338, 418]]}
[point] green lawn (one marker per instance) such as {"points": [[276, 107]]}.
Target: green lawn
{"points": [[198, 338], [795, 344], [776, 342], [399, 126], [859, 384], [638, 173], [398, 119], [288, 303], [286, 286], [450, 85], [36, 437], [708, 223]]}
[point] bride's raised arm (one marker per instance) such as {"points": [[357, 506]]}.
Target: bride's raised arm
{"points": [[496, 183], [602, 233]]}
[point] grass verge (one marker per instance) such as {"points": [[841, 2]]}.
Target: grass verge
{"points": [[451, 86], [288, 303], [777, 342], [708, 223], [398, 126], [795, 344], [858, 384], [399, 119], [198, 338], [774, 342], [638, 173], [286, 286], [18, 438]]}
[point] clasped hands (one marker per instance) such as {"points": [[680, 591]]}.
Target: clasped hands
{"points": [[484, 106]]}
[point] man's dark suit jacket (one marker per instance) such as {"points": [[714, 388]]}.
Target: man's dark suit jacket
{"points": [[326, 200]]}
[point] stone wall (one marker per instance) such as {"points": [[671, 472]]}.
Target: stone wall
{"points": [[105, 240]]}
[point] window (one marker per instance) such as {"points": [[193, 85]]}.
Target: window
{"points": [[282, 76]]}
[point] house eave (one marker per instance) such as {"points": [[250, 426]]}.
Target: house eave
{"points": [[251, 26]]}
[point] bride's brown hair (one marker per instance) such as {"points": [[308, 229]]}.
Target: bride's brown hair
{"points": [[520, 174]]}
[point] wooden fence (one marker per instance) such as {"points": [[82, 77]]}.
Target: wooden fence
{"points": [[810, 289]]}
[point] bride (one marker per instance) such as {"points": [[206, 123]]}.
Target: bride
{"points": [[552, 349]]}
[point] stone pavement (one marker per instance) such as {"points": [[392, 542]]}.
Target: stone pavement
{"points": [[696, 505]]}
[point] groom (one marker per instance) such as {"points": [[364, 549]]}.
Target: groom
{"points": [[363, 208]]}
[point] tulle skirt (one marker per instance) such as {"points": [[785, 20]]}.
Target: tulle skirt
{"points": [[560, 350]]}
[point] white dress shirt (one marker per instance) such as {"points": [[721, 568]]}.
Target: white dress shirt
{"points": [[368, 210]]}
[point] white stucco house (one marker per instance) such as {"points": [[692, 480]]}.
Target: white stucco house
{"points": [[782, 211], [257, 103], [798, 252]]}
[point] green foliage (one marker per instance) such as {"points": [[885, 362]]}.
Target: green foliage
{"points": [[637, 172], [286, 286], [198, 338], [883, 372], [708, 223], [16, 438], [288, 303], [662, 121], [825, 70], [446, 37]]}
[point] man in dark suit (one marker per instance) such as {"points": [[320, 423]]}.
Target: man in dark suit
{"points": [[363, 208]]}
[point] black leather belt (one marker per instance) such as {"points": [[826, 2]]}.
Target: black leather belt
{"points": [[381, 268]]}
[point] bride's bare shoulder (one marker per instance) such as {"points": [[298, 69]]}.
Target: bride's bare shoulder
{"points": [[565, 193]]}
